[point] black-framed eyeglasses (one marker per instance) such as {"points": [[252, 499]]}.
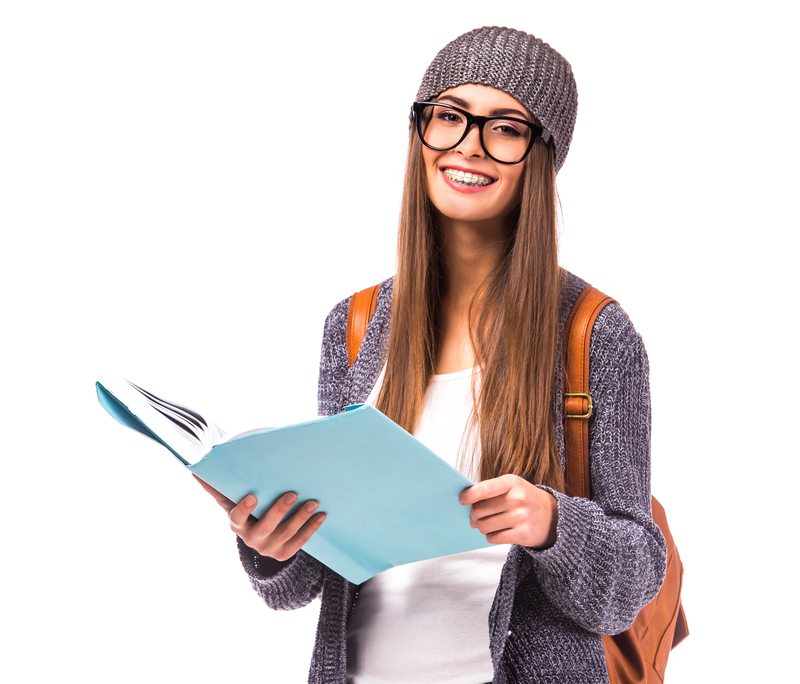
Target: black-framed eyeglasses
{"points": [[505, 139]]}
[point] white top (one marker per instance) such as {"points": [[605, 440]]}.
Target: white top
{"points": [[428, 622]]}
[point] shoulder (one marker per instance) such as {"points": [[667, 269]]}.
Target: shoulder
{"points": [[616, 349], [337, 318], [339, 383], [613, 328], [335, 322], [614, 334]]}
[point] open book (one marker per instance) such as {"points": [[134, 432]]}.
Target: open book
{"points": [[389, 500]]}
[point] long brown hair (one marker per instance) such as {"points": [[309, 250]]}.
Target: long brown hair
{"points": [[513, 323]]}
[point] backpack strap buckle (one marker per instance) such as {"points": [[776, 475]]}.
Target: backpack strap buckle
{"points": [[578, 405]]}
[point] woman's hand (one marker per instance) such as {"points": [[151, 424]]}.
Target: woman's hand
{"points": [[268, 535], [510, 510]]}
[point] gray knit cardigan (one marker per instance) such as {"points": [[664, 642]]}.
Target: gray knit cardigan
{"points": [[551, 605]]}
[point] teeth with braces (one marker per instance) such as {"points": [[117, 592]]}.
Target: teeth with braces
{"points": [[472, 179]]}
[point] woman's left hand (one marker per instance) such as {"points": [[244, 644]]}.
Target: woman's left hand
{"points": [[510, 510]]}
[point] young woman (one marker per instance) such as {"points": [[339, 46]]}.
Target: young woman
{"points": [[464, 351]]}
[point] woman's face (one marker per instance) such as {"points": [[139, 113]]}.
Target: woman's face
{"points": [[468, 202]]}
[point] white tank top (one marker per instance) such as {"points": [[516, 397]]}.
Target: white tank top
{"points": [[428, 622]]}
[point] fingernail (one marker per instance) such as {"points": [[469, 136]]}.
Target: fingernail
{"points": [[290, 498], [250, 501], [311, 506], [322, 517]]}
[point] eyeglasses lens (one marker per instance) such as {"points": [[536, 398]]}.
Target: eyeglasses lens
{"points": [[505, 139]]}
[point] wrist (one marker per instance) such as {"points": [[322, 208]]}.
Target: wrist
{"points": [[553, 533], [549, 521]]}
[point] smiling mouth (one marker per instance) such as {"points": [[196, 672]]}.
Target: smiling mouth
{"points": [[472, 180]]}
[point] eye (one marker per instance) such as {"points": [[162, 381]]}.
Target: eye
{"points": [[449, 116], [509, 129]]}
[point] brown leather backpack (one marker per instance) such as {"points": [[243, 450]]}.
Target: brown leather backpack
{"points": [[638, 655]]}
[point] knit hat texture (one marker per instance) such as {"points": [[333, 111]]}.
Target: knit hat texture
{"points": [[517, 63]]}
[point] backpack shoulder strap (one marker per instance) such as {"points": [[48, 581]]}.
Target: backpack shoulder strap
{"points": [[577, 400], [359, 313]]}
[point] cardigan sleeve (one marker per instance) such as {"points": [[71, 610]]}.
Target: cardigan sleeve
{"points": [[333, 365], [283, 585], [609, 557]]}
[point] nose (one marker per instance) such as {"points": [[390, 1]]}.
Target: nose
{"points": [[471, 146]]}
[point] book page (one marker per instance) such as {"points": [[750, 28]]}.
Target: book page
{"points": [[183, 430]]}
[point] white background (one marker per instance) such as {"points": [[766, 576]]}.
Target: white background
{"points": [[186, 188]]}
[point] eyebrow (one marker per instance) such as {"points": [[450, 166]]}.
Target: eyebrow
{"points": [[503, 111]]}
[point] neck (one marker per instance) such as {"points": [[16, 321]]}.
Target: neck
{"points": [[469, 253]]}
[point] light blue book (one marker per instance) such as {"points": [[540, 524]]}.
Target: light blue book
{"points": [[389, 500]]}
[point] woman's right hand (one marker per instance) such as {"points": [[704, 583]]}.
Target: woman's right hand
{"points": [[270, 535]]}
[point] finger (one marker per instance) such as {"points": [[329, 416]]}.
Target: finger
{"points": [[239, 515], [485, 490], [265, 525], [304, 534], [497, 523], [486, 508], [506, 536], [284, 532], [219, 497]]}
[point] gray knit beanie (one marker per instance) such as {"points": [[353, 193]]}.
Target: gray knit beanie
{"points": [[516, 63]]}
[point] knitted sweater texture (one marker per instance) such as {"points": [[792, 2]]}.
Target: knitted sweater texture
{"points": [[551, 605]]}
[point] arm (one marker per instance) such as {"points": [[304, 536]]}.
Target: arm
{"points": [[283, 585], [599, 561], [609, 557], [333, 366]]}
